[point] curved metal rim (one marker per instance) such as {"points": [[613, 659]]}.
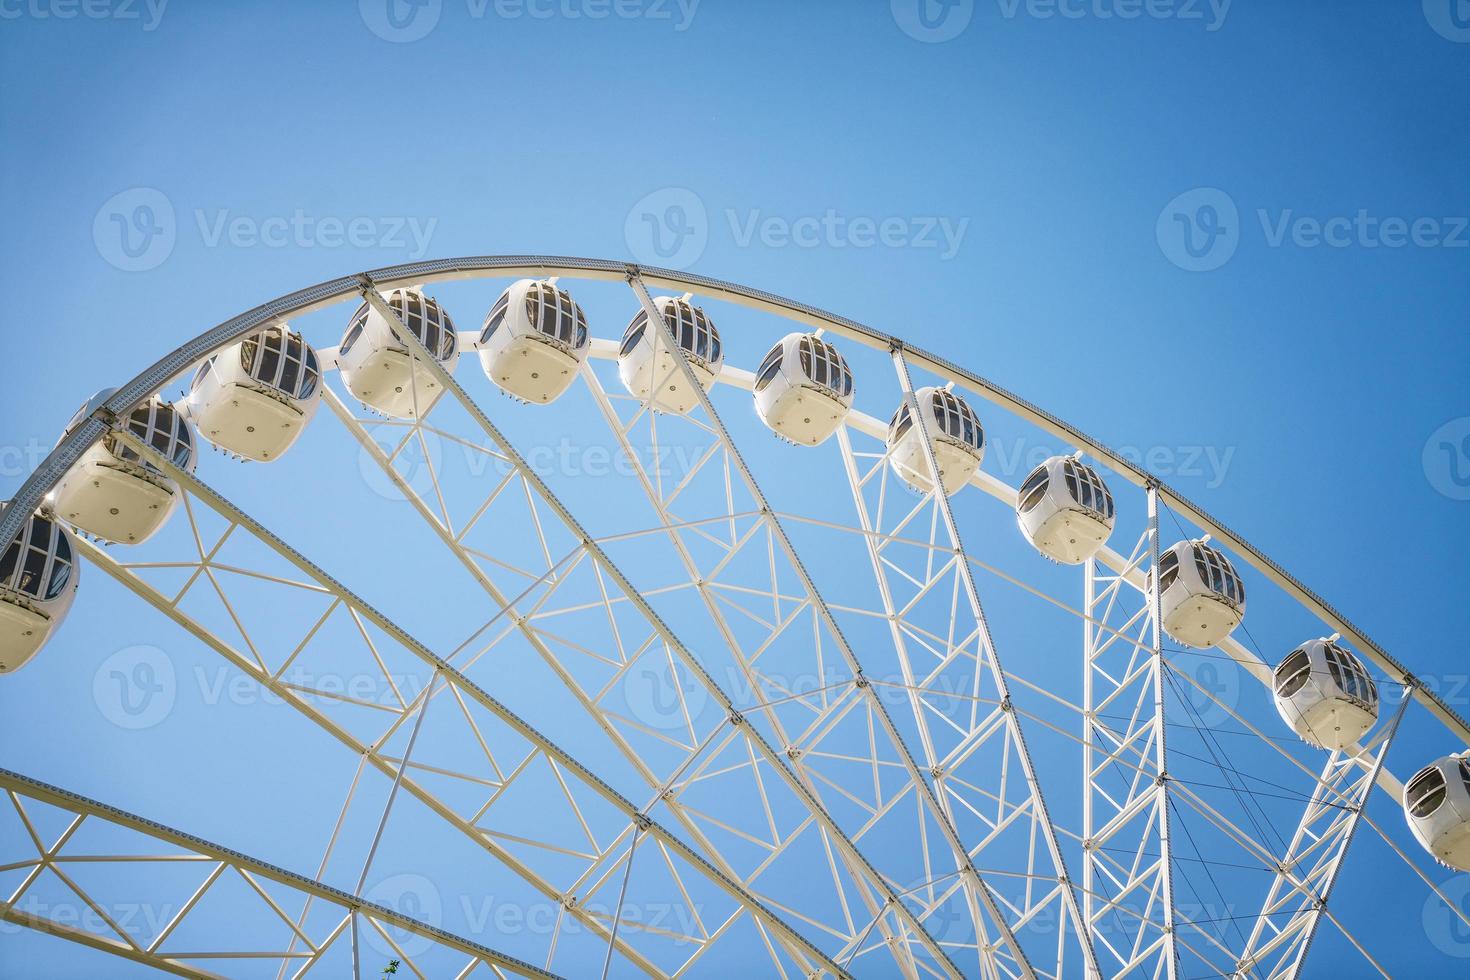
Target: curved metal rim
{"points": [[331, 292]]}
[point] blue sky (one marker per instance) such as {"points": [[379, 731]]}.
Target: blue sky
{"points": [[1231, 240]]}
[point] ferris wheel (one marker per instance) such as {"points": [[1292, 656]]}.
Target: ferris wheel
{"points": [[727, 640]]}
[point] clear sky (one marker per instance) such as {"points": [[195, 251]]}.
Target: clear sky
{"points": [[1228, 238]]}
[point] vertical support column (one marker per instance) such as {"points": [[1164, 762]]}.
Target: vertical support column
{"points": [[1161, 754], [1306, 875], [1089, 746], [991, 658]]}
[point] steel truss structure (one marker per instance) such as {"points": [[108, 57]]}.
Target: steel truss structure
{"points": [[901, 791]]}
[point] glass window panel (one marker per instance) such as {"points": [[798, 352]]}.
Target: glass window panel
{"points": [[1168, 569], [904, 422], [353, 332], [9, 560], [310, 376], [1426, 792], [290, 373], [631, 338], [1293, 673], [60, 575], [35, 569], [1038, 478]]}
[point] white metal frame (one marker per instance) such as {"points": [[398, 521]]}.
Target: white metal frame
{"points": [[59, 857], [1126, 667]]}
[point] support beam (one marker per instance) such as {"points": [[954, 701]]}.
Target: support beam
{"points": [[1309, 870], [979, 892], [34, 489], [508, 607], [450, 675], [206, 853], [990, 656], [1161, 739], [778, 762]]}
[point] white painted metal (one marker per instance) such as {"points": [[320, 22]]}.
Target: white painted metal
{"points": [[978, 894], [110, 492], [803, 389], [668, 790], [1309, 869], [532, 341], [381, 370], [758, 744], [889, 914], [648, 369], [1054, 516], [465, 689], [1325, 694], [61, 858], [39, 575], [1437, 807], [256, 397], [988, 664], [333, 291]]}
